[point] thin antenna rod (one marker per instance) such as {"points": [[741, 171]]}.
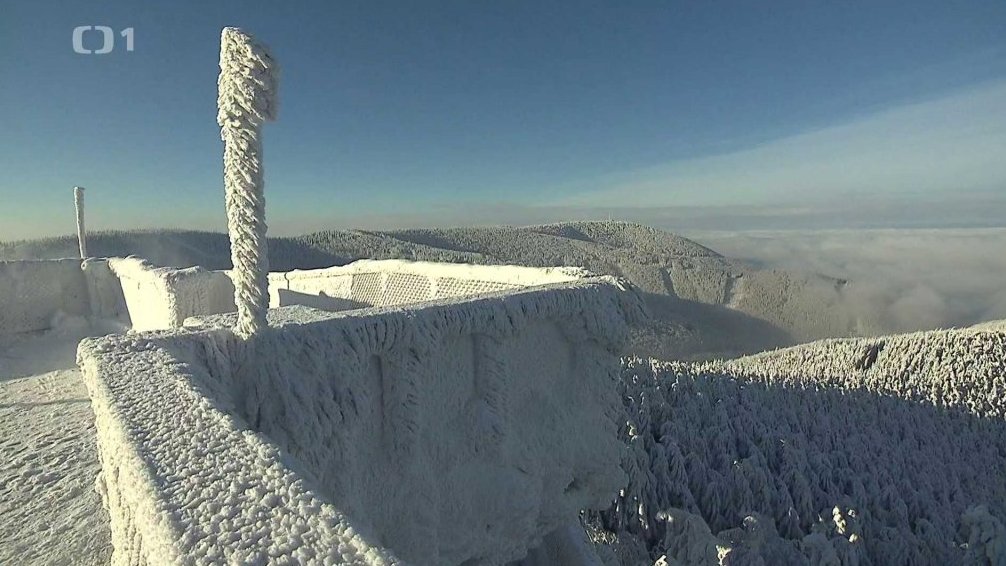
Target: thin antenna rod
{"points": [[78, 203]]}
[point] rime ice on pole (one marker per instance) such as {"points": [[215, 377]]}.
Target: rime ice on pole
{"points": [[246, 98]]}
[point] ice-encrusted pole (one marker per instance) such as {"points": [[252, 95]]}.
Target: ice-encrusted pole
{"points": [[78, 204], [246, 98]]}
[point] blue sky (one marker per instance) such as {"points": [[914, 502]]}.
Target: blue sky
{"points": [[425, 113]]}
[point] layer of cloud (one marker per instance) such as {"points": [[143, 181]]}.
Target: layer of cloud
{"points": [[911, 279], [960, 209]]}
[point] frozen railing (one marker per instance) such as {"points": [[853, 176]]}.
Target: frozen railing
{"points": [[143, 296], [449, 432], [367, 283]]}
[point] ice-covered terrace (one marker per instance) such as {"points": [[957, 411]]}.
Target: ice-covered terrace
{"points": [[395, 411]]}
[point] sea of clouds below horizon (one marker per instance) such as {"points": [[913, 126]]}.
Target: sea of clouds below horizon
{"points": [[914, 278]]}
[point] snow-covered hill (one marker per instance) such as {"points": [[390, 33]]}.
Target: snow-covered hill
{"points": [[861, 451]]}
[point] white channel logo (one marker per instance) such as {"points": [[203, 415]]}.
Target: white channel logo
{"points": [[108, 39]]}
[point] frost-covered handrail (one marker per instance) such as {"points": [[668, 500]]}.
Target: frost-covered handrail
{"points": [[516, 275], [78, 204], [246, 98]]}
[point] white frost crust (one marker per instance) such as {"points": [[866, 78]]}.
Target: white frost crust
{"points": [[159, 298], [886, 450], [135, 292], [442, 433], [34, 292]]}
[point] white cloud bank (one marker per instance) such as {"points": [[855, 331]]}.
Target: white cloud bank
{"points": [[914, 279]]}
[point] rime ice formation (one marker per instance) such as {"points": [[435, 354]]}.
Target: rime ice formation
{"points": [[127, 291], [78, 205], [247, 97], [857, 451], [457, 431]]}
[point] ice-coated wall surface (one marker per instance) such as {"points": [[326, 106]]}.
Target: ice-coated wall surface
{"points": [[104, 292], [129, 291], [32, 293], [452, 432], [159, 298]]}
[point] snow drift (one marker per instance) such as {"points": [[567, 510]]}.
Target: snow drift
{"points": [[449, 432], [857, 451]]}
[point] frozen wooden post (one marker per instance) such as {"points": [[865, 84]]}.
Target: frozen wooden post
{"points": [[246, 98], [78, 203]]}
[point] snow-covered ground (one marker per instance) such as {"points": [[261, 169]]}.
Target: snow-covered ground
{"points": [[50, 512]]}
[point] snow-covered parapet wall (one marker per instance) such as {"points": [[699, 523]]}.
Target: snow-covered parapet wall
{"points": [[442, 433], [33, 293], [140, 295], [128, 291], [394, 282], [159, 298]]}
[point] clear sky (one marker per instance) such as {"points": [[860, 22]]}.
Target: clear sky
{"points": [[424, 113]]}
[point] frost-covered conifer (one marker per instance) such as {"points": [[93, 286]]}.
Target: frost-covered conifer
{"points": [[822, 458], [247, 97]]}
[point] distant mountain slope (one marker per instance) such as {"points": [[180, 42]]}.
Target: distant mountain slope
{"points": [[666, 266], [177, 248], [709, 304], [887, 450]]}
